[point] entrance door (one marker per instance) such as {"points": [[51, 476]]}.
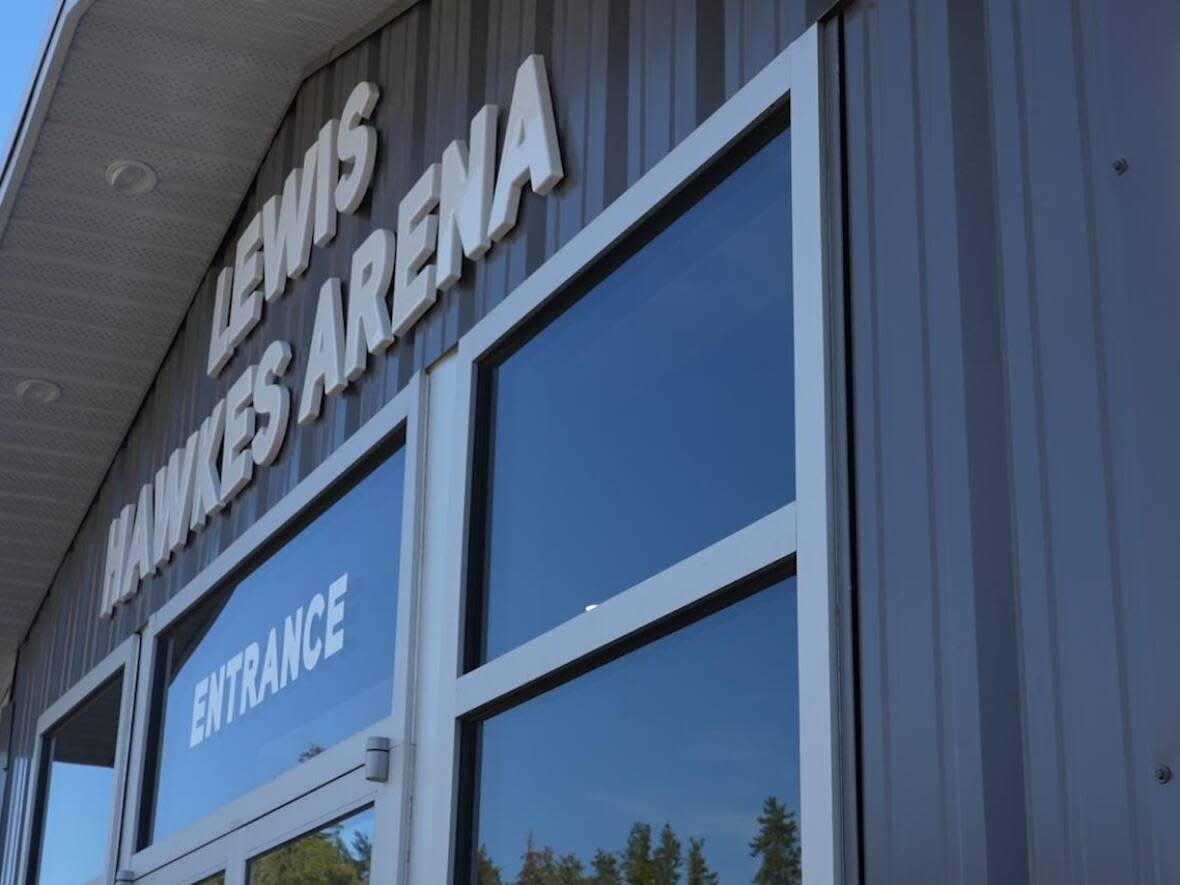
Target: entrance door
{"points": [[347, 831]]}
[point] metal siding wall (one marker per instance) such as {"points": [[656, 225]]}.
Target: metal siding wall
{"points": [[629, 80], [1013, 321]]}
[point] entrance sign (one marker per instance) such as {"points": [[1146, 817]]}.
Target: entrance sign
{"points": [[292, 657], [261, 671], [459, 206]]}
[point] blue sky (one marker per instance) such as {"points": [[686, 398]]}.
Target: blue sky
{"points": [[22, 34]]}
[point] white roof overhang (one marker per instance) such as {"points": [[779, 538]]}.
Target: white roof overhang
{"points": [[93, 283]]}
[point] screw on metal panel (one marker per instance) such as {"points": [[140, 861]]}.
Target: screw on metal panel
{"points": [[1163, 774], [1120, 166]]}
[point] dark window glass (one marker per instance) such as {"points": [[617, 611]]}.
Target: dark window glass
{"points": [[284, 662], [215, 879], [78, 791], [651, 418], [339, 854], [681, 756]]}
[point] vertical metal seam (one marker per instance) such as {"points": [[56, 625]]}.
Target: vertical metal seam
{"points": [[1106, 443]]}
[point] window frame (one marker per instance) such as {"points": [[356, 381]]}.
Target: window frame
{"points": [[214, 838], [342, 797], [803, 529], [124, 658]]}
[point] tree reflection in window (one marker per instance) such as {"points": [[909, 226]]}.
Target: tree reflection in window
{"points": [[658, 860], [674, 763], [339, 854]]}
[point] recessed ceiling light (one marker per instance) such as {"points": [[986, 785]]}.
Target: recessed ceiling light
{"points": [[131, 177], [38, 390], [592, 606]]}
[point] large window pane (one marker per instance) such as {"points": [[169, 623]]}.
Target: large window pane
{"points": [[651, 418], [78, 791], [288, 660], [683, 755], [339, 854]]}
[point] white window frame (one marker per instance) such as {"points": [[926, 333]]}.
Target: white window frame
{"points": [[216, 840], [347, 795], [123, 658], [803, 529]]}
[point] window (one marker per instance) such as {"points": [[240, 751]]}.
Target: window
{"points": [[652, 417], [287, 660], [80, 760], [338, 853], [677, 757], [78, 771], [629, 701]]}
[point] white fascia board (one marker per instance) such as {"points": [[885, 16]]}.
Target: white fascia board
{"points": [[59, 34]]}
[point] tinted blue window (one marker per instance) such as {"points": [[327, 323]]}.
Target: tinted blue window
{"points": [[78, 791], [683, 755], [650, 419], [338, 854], [292, 658]]}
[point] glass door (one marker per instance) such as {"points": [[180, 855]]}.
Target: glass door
{"points": [[348, 831]]}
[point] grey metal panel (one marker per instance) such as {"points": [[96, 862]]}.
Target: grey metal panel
{"points": [[629, 79], [1013, 323]]}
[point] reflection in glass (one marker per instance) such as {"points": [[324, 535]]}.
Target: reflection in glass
{"points": [[650, 419], [215, 879], [339, 854], [78, 792], [290, 659], [680, 759]]}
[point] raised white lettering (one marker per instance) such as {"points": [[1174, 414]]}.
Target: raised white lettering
{"points": [[414, 287], [219, 347], [530, 146], [138, 563], [174, 500], [237, 464], [369, 330], [357, 147], [272, 402], [288, 225], [325, 357], [112, 576], [326, 177], [207, 490], [246, 307], [465, 201]]}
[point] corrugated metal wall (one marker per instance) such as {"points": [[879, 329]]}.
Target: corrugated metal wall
{"points": [[1014, 317], [629, 78]]}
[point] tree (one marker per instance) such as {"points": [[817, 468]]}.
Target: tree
{"points": [[637, 863], [666, 860], [537, 867], [568, 870], [362, 854], [606, 869], [318, 859], [777, 843], [698, 870], [489, 873]]}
